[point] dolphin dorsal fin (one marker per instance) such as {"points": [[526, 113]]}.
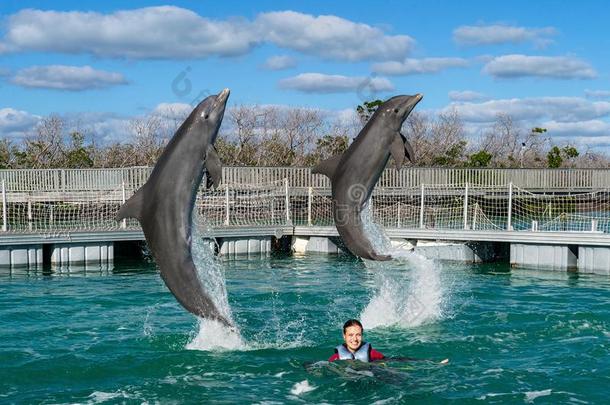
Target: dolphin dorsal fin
{"points": [[213, 167], [408, 149], [132, 207], [397, 149], [327, 167]]}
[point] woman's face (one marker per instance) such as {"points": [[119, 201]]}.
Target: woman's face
{"points": [[353, 337]]}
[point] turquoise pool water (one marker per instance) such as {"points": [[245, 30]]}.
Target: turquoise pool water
{"points": [[114, 336]]}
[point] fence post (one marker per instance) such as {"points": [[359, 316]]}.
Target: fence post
{"points": [[398, 216], [474, 216], [123, 199], [509, 224], [309, 199], [29, 214], [421, 208], [466, 207], [227, 205], [288, 222], [4, 209]]}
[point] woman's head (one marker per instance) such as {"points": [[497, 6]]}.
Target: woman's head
{"points": [[352, 334]]}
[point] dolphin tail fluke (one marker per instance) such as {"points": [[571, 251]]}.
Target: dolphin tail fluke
{"points": [[213, 167], [132, 207], [327, 167]]}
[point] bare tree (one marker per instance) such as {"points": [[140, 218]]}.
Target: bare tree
{"points": [[436, 142], [44, 148], [512, 146], [301, 127], [148, 140]]}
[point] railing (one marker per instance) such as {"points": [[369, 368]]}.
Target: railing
{"points": [[66, 180], [468, 207]]}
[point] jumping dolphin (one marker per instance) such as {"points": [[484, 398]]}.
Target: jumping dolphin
{"points": [[354, 173], [165, 203]]}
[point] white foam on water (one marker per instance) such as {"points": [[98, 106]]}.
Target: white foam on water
{"points": [[215, 336], [410, 299], [530, 396], [212, 335], [100, 396], [301, 388]]}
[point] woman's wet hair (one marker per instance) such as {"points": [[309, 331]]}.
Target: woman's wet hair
{"points": [[352, 322]]}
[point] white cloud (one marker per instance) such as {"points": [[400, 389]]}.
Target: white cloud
{"points": [[558, 67], [61, 77], [152, 32], [590, 128], [585, 134], [172, 32], [466, 95], [500, 34], [599, 94], [322, 83], [560, 109], [106, 127], [331, 37], [280, 62], [173, 110], [418, 66], [16, 123]]}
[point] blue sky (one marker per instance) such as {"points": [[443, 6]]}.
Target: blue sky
{"points": [[544, 63]]}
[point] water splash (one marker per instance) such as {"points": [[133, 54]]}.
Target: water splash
{"points": [[410, 298], [212, 335]]}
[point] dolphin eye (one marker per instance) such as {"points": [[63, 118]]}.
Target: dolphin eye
{"points": [[206, 116], [396, 110]]}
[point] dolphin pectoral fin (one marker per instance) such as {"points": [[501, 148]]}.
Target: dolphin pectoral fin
{"points": [[397, 149], [213, 166], [132, 207], [408, 149], [327, 167]]}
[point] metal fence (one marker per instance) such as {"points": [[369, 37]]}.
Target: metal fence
{"points": [[469, 207], [65, 180]]}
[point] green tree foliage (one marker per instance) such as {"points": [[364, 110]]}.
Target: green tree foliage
{"points": [[479, 159], [367, 109], [538, 130], [451, 156], [5, 154], [558, 156], [77, 156], [554, 159]]}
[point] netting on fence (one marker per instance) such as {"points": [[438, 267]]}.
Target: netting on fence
{"points": [[311, 207], [561, 212], [60, 212], [244, 205], [457, 207]]}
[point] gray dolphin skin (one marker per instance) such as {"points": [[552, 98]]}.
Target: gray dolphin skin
{"points": [[165, 203], [354, 173]]}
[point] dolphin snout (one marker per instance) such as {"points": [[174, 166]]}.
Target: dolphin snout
{"points": [[223, 95]]}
